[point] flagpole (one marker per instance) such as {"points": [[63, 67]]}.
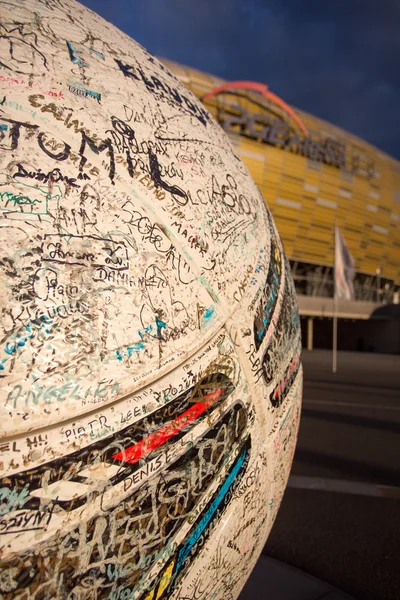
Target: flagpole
{"points": [[334, 354], [334, 337]]}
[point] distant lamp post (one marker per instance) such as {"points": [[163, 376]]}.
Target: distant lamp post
{"points": [[378, 283]]}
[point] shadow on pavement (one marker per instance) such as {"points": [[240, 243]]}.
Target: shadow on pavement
{"points": [[348, 468], [358, 421]]}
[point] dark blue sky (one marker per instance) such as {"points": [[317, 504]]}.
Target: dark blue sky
{"points": [[339, 60]]}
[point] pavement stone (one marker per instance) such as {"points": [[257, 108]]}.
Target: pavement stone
{"points": [[274, 580]]}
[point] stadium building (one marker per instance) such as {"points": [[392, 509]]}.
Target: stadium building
{"points": [[314, 175]]}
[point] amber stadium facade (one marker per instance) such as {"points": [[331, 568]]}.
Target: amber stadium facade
{"points": [[312, 175]]}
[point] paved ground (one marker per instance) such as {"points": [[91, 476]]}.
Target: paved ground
{"points": [[274, 580], [349, 434]]}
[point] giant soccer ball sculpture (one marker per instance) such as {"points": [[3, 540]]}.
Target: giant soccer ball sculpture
{"points": [[150, 347]]}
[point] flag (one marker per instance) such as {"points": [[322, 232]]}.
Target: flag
{"points": [[344, 269]]}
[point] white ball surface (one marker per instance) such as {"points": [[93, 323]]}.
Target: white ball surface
{"points": [[150, 344]]}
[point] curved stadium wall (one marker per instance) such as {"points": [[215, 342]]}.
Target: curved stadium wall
{"points": [[312, 181]]}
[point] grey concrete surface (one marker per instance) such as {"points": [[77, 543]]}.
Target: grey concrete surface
{"points": [[349, 435], [317, 306], [273, 580]]}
